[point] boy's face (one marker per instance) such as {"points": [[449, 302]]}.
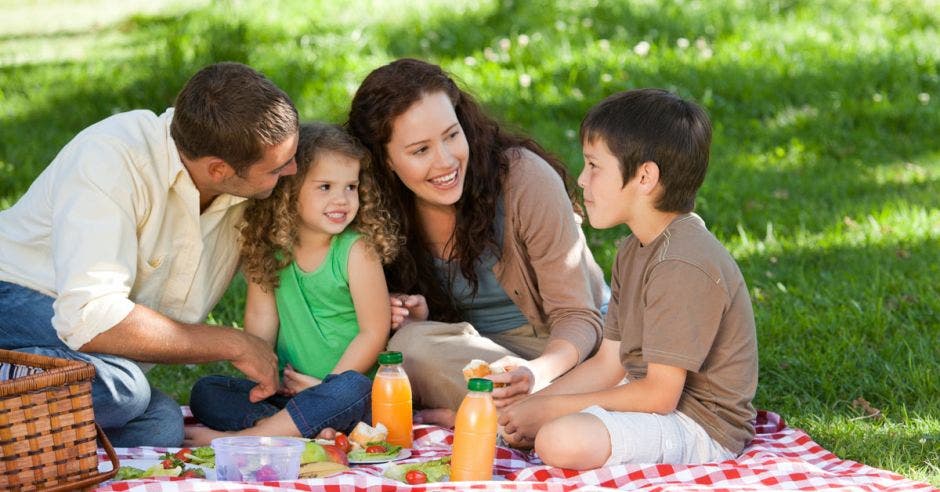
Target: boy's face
{"points": [[607, 200]]}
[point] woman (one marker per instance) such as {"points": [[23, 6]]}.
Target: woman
{"points": [[498, 262]]}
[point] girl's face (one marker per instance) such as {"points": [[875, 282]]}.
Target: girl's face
{"points": [[329, 196], [429, 152]]}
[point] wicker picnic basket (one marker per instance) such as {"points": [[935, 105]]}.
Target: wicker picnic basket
{"points": [[47, 425]]}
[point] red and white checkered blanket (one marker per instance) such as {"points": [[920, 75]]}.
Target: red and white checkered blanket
{"points": [[779, 457]]}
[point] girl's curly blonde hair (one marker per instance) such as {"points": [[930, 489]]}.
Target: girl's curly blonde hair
{"points": [[269, 232]]}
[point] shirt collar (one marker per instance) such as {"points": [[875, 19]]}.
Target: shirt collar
{"points": [[179, 176]]}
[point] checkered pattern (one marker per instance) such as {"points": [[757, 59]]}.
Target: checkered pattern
{"points": [[778, 458]]}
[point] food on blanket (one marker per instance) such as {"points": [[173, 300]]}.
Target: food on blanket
{"points": [[477, 368], [336, 454], [202, 456], [434, 470], [342, 442], [363, 434], [415, 477], [321, 469], [257, 458], [313, 453], [375, 451]]}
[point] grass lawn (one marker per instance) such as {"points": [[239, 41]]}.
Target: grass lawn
{"points": [[825, 169]]}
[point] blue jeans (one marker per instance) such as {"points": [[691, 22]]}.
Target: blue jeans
{"points": [[131, 411], [340, 402]]}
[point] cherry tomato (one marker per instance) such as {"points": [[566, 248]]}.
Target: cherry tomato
{"points": [[167, 464], [181, 454], [376, 449], [193, 473], [342, 442], [414, 477]]}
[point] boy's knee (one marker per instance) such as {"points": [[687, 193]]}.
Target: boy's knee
{"points": [[563, 443]]}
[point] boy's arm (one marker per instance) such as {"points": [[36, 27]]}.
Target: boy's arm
{"points": [[658, 392], [373, 312], [261, 318]]}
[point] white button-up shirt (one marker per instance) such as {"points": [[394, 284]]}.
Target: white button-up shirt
{"points": [[114, 220]]}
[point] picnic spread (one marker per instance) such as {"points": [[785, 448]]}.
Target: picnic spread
{"points": [[779, 457]]}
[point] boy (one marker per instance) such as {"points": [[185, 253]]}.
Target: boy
{"points": [[680, 328]]}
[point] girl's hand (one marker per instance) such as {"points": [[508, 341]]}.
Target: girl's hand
{"points": [[295, 382], [520, 381], [407, 308]]}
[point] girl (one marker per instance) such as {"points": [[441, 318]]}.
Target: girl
{"points": [[316, 294], [496, 247]]}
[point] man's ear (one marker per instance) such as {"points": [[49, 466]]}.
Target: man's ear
{"points": [[218, 170], [648, 172]]}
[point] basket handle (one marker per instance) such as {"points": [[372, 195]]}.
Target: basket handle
{"points": [[100, 476]]}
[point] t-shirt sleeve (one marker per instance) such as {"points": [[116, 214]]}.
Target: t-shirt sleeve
{"points": [[683, 307]]}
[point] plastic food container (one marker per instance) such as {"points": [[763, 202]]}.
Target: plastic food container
{"points": [[257, 459]]}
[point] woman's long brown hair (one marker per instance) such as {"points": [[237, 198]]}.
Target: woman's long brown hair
{"points": [[384, 95]]}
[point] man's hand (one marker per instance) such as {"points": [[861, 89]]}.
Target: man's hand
{"points": [[258, 363], [295, 382], [407, 308], [520, 381]]}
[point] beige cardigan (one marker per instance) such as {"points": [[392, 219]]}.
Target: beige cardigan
{"points": [[545, 265]]}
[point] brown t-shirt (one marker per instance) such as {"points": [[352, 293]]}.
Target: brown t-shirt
{"points": [[681, 301]]}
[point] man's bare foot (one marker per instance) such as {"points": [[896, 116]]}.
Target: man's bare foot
{"points": [[328, 433], [443, 417], [197, 435]]}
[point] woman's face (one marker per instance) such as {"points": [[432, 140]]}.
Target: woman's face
{"points": [[428, 151]]}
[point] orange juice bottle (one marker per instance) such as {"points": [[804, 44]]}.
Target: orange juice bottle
{"points": [[391, 399], [475, 434]]}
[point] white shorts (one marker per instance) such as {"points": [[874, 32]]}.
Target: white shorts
{"points": [[652, 438]]}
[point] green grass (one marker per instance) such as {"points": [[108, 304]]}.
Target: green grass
{"points": [[825, 174]]}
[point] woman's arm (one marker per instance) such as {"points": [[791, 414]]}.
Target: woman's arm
{"points": [[565, 272], [371, 301]]}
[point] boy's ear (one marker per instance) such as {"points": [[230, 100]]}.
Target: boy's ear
{"points": [[218, 169], [648, 174]]}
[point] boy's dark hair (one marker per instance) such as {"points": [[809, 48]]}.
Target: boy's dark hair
{"points": [[230, 111], [655, 125]]}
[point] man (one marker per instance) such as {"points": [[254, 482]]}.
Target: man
{"points": [[125, 242]]}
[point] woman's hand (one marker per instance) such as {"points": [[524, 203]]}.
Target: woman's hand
{"points": [[295, 382], [407, 308], [519, 381]]}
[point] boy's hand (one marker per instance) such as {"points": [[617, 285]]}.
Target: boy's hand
{"points": [[522, 420], [407, 308], [294, 382], [519, 381]]}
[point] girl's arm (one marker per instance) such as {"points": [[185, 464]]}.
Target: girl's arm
{"points": [[261, 313], [373, 312]]}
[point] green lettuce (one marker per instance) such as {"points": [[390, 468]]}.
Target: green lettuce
{"points": [[436, 470]]}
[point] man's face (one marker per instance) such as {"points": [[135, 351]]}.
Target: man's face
{"points": [[277, 160]]}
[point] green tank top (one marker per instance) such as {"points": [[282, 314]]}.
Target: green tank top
{"points": [[317, 317]]}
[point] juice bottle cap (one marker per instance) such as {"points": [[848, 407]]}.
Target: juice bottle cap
{"points": [[387, 358], [480, 384]]}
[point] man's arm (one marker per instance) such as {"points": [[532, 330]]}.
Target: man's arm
{"points": [[148, 336]]}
